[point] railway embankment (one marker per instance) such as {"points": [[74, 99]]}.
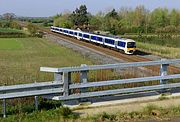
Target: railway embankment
{"points": [[98, 57]]}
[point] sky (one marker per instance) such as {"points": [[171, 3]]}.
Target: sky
{"points": [[45, 8]]}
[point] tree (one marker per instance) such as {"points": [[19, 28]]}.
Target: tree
{"points": [[9, 16], [80, 16], [174, 18], [95, 22], [112, 14], [159, 17], [140, 16], [15, 25], [33, 29], [1, 24], [63, 21]]}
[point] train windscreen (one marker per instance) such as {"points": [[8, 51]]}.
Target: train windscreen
{"points": [[131, 45]]}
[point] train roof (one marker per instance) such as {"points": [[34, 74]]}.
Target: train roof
{"points": [[127, 40]]}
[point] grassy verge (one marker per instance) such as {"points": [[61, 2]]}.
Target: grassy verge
{"points": [[21, 58], [169, 52], [150, 112], [11, 33], [9, 30], [49, 112], [60, 114]]}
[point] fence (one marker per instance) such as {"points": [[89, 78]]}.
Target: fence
{"points": [[63, 84]]}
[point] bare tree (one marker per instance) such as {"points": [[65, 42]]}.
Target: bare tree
{"points": [[9, 16]]}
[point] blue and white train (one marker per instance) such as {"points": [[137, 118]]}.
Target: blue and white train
{"points": [[127, 45]]}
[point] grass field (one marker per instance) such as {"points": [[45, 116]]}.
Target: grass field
{"points": [[10, 44], [9, 30], [21, 58], [11, 33], [164, 51]]}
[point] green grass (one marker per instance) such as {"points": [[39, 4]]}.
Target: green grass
{"points": [[10, 44], [149, 112], [12, 33], [168, 52], [21, 59], [61, 114], [9, 30]]}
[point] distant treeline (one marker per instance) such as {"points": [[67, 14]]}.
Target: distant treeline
{"points": [[125, 20], [44, 21], [13, 26]]}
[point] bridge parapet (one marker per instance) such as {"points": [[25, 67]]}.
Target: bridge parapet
{"points": [[63, 84]]}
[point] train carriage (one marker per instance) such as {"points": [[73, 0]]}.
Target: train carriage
{"points": [[127, 45], [97, 39]]}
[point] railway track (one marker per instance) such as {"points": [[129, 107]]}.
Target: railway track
{"points": [[129, 58]]}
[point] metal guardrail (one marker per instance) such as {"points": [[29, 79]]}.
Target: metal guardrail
{"points": [[109, 66], [62, 83], [25, 90]]}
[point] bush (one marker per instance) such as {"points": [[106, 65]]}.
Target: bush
{"points": [[33, 29], [66, 112]]}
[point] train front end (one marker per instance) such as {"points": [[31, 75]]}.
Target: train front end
{"points": [[130, 46]]}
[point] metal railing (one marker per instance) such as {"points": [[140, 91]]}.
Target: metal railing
{"points": [[62, 83]]}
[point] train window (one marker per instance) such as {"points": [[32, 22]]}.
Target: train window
{"points": [[60, 29], [99, 39], [121, 44], [131, 45], [80, 34], [109, 41], [85, 35], [70, 32], [75, 33], [93, 37]]}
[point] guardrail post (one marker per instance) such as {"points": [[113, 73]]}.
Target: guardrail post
{"points": [[83, 78], [57, 76], [163, 72], [4, 108], [36, 102], [66, 77]]}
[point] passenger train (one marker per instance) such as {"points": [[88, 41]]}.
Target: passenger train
{"points": [[127, 45]]}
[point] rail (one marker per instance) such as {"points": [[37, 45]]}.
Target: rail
{"points": [[63, 84]]}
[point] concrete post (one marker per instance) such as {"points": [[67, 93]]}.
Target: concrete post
{"points": [[36, 102], [66, 79], [163, 72], [57, 76], [83, 78], [4, 108]]}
